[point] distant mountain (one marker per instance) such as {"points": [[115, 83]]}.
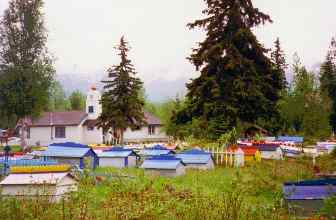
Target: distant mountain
{"points": [[156, 90]]}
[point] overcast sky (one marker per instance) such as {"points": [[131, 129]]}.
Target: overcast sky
{"points": [[82, 33]]}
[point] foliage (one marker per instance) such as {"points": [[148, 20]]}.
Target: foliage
{"points": [[328, 81], [237, 81], [26, 70], [122, 106], [77, 100], [57, 98], [329, 208], [223, 193], [303, 109]]}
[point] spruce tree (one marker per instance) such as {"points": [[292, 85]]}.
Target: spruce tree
{"points": [[279, 61], [237, 82], [328, 81], [122, 105], [25, 66]]}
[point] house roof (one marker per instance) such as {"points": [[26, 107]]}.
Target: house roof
{"points": [[267, 147], [195, 151], [194, 158], [74, 152], [33, 178], [295, 139], [151, 119], [308, 192], [57, 118], [69, 144], [116, 152], [164, 162], [154, 152], [248, 150]]}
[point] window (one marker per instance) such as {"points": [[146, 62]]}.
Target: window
{"points": [[91, 110], [90, 128], [59, 132], [151, 129]]}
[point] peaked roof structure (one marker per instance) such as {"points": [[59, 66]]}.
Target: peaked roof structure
{"points": [[295, 139], [69, 144], [117, 152], [68, 149], [151, 119], [194, 156], [164, 162], [311, 189], [34, 178], [58, 118]]}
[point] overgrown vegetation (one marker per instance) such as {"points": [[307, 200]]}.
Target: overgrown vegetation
{"points": [[253, 192]]}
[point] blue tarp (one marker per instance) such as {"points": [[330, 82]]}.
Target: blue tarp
{"points": [[295, 139]]}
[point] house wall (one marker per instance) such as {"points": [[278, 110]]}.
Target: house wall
{"points": [[45, 136], [118, 162], [94, 136], [142, 135]]}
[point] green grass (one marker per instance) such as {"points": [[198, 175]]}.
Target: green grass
{"points": [[252, 192]]}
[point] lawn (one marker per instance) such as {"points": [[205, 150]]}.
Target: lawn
{"points": [[252, 192]]}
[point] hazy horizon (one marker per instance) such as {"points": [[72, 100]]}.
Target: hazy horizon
{"points": [[82, 33]]}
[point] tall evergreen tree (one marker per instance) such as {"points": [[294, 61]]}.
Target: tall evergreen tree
{"points": [[279, 60], [77, 100], [237, 81], [328, 81], [121, 102], [26, 69]]}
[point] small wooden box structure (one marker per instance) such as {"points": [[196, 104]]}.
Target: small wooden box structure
{"points": [[164, 165], [32, 183], [118, 157], [197, 159], [73, 154]]}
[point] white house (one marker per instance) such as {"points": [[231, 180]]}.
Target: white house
{"points": [[80, 126], [52, 186]]}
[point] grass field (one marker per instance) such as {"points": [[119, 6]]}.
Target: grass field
{"points": [[252, 192]]}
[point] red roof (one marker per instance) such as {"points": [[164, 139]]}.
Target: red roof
{"points": [[57, 118], [248, 151], [75, 118], [151, 119]]}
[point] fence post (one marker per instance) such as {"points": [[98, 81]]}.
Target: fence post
{"points": [[239, 158], [222, 156]]}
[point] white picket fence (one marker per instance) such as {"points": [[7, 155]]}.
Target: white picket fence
{"points": [[223, 157]]}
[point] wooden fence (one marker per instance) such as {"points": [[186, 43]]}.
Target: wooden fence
{"points": [[223, 157]]}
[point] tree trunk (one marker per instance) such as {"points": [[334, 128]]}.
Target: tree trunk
{"points": [[23, 136], [121, 137]]}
